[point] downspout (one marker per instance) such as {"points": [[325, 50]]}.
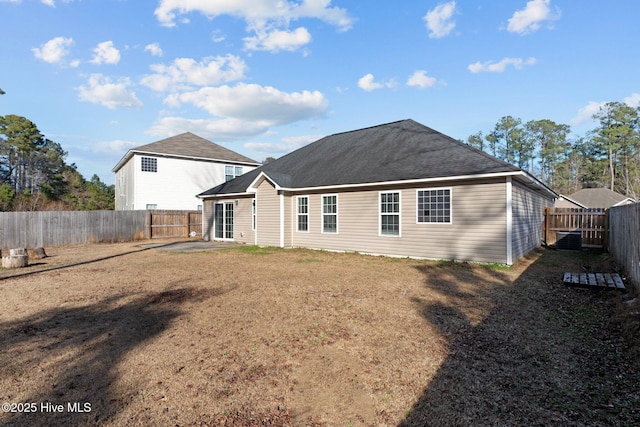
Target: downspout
{"points": [[281, 194], [509, 221]]}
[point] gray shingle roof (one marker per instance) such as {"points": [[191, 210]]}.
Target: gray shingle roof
{"points": [[188, 145], [398, 151], [598, 198]]}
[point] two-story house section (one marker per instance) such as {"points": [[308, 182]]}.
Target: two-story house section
{"points": [[167, 174]]}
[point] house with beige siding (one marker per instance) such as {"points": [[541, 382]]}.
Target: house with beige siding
{"points": [[397, 189], [167, 174]]}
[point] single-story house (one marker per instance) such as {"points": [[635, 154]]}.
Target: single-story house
{"points": [[397, 189], [167, 174], [593, 198]]}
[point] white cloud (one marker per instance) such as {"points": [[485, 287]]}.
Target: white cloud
{"points": [[218, 36], [286, 146], [277, 40], [499, 67], [421, 80], [633, 100], [54, 51], [586, 113], [255, 102], [218, 129], [101, 90], [186, 72], [154, 49], [51, 3], [115, 146], [368, 83], [241, 111], [105, 53], [439, 20], [254, 11], [528, 20]]}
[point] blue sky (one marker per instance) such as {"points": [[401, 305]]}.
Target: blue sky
{"points": [[264, 77]]}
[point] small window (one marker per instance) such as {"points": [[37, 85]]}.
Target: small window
{"points": [[390, 214], [228, 173], [151, 206], [330, 214], [231, 172], [149, 164], [434, 206], [303, 213]]}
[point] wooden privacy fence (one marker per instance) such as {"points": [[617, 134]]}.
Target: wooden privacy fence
{"points": [[624, 240], [55, 228], [171, 223], [591, 225]]}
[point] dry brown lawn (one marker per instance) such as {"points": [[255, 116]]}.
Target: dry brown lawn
{"points": [[252, 336]]}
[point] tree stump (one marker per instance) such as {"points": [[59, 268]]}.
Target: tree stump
{"points": [[37, 253], [17, 258]]}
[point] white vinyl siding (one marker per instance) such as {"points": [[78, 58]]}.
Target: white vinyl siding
{"points": [[174, 186]]}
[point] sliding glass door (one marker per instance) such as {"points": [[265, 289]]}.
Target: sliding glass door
{"points": [[223, 220]]}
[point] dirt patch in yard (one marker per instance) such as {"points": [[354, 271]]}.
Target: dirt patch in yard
{"points": [[122, 335]]}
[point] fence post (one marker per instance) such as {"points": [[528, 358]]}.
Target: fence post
{"points": [[148, 224]]}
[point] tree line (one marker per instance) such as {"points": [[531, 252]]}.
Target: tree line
{"points": [[606, 157], [35, 176]]}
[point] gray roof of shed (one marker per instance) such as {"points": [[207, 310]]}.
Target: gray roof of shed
{"points": [[187, 145], [599, 198], [398, 151]]}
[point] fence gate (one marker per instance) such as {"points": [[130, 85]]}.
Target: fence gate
{"points": [[173, 223], [591, 226]]}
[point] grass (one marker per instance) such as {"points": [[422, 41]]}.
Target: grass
{"points": [[251, 336]]}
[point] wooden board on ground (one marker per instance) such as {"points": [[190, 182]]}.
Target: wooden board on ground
{"points": [[600, 280]]}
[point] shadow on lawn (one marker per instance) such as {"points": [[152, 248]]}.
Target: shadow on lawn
{"points": [[21, 273], [75, 354], [542, 355]]}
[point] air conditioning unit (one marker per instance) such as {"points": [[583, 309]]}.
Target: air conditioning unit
{"points": [[569, 241]]}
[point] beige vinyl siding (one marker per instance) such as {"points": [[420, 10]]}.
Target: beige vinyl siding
{"points": [[289, 219], [207, 219], [242, 221], [477, 231], [268, 215], [528, 219]]}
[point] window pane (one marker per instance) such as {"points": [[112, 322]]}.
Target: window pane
{"points": [[329, 224], [434, 206]]}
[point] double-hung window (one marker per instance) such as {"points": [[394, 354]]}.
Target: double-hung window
{"points": [[330, 214], [303, 213], [231, 172], [434, 206], [390, 214]]}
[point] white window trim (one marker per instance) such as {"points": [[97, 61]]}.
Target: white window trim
{"points": [[380, 213], [298, 214], [254, 213], [450, 206], [322, 214]]}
